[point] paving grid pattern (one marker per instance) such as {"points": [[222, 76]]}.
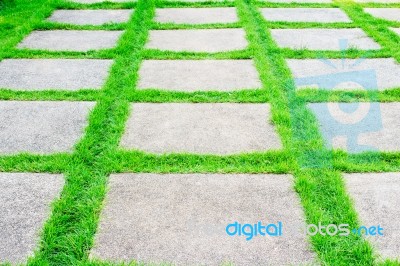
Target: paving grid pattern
{"points": [[97, 153], [203, 199]]}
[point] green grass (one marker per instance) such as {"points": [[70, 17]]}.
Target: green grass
{"points": [[68, 235]]}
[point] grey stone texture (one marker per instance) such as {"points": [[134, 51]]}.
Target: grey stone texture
{"points": [[385, 13], [100, 1], [377, 128], [323, 39], [322, 15], [199, 75], [386, 71], [57, 74], [91, 17], [215, 128], [25, 200], [198, 40], [71, 40], [41, 127], [196, 15], [377, 201], [396, 30], [181, 219]]}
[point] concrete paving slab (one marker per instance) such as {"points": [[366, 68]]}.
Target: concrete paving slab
{"points": [[71, 40], [396, 30], [323, 39], [298, 1], [57, 74], [215, 128], [199, 75], [358, 127], [41, 127], [385, 13], [181, 219], [100, 1], [199, 40], [91, 17], [25, 200], [196, 15], [344, 74], [322, 15], [376, 198]]}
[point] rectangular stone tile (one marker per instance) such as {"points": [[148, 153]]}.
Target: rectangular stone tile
{"points": [[322, 39], [220, 128], [57, 74], [377, 73], [199, 40], [323, 15], [358, 127], [25, 200], [41, 127], [385, 13], [196, 15], [180, 219], [396, 30], [91, 17], [377, 201], [100, 1], [199, 75], [71, 40]]}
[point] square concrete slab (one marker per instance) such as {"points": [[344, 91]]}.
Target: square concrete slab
{"points": [[57, 74], [201, 40], [25, 200], [396, 30], [346, 74], [377, 201], [196, 15], [41, 127], [215, 128], [199, 75], [323, 39], [180, 219], [384, 13], [323, 15], [91, 17], [100, 1], [71, 40], [358, 127]]}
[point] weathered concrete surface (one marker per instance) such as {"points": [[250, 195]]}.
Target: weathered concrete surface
{"points": [[385, 73], [374, 127], [181, 219], [57, 74], [196, 15], [41, 127], [25, 200], [385, 13], [323, 39], [199, 75], [71, 40], [198, 40], [215, 128], [377, 201], [322, 15], [91, 17]]}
